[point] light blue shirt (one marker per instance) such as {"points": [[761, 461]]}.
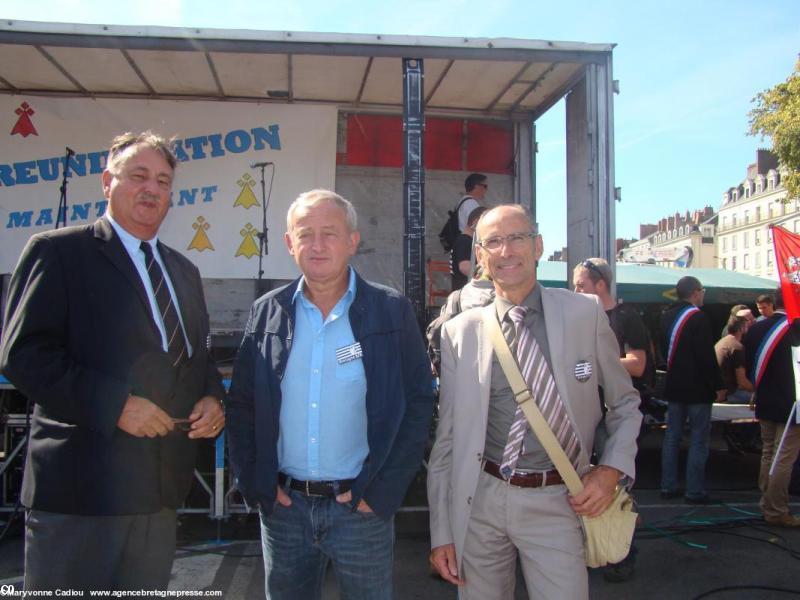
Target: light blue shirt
{"points": [[132, 247], [323, 423]]}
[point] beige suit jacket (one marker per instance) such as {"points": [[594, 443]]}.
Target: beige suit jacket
{"points": [[577, 330]]}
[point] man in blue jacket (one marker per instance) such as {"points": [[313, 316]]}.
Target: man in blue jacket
{"points": [[329, 411]]}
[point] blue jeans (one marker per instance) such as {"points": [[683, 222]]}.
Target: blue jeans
{"points": [[699, 416], [300, 540]]}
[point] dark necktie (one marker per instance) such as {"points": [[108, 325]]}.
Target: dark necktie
{"points": [[176, 345], [540, 380]]}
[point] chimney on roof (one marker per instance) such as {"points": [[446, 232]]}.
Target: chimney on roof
{"points": [[765, 160], [647, 229]]}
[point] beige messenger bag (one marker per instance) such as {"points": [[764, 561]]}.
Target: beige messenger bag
{"points": [[607, 538]]}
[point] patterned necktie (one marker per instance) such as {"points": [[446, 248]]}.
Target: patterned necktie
{"points": [[176, 345], [540, 380]]}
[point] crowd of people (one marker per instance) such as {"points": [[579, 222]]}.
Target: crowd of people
{"points": [[332, 397]]}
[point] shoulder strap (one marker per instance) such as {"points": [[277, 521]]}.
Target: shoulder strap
{"points": [[675, 331], [457, 301], [523, 397], [464, 199], [767, 346]]}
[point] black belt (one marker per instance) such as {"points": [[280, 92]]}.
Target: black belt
{"points": [[327, 489], [524, 479]]}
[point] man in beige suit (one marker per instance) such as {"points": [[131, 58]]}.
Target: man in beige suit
{"points": [[483, 514]]}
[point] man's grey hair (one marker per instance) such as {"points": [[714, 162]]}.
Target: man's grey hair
{"points": [[522, 210], [318, 196], [159, 143]]}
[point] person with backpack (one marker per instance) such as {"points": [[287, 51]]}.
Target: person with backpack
{"points": [[461, 257], [479, 291], [475, 186]]}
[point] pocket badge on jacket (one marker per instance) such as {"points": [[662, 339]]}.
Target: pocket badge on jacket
{"points": [[583, 371]]}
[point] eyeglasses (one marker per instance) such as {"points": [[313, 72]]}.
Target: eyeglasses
{"points": [[514, 240], [587, 264]]}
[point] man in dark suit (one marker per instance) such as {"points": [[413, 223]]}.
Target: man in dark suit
{"points": [[768, 353], [105, 332], [693, 383]]}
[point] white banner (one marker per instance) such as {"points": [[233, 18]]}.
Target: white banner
{"points": [[216, 212]]}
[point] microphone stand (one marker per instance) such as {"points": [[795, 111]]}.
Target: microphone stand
{"points": [[62, 202], [263, 242]]}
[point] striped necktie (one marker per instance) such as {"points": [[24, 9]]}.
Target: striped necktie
{"points": [[176, 344], [540, 381]]}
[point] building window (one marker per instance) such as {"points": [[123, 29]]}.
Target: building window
{"points": [[769, 258], [747, 216], [733, 242], [757, 237], [758, 213], [724, 263], [757, 260], [745, 239], [724, 222], [733, 220], [733, 263], [725, 244], [746, 262], [769, 236]]}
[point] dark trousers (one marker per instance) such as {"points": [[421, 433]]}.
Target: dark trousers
{"points": [[77, 552]]}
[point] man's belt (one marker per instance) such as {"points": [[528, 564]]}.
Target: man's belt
{"points": [[327, 489], [527, 480]]}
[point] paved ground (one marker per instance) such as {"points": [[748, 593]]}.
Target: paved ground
{"points": [[683, 552]]}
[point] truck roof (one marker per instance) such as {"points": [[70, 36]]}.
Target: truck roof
{"points": [[477, 77]]}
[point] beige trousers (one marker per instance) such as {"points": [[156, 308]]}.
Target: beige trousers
{"points": [[537, 524], [775, 488]]}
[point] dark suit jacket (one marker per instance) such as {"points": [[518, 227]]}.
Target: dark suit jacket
{"points": [[694, 376], [775, 393], [78, 338]]}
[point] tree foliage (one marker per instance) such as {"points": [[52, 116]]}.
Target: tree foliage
{"points": [[777, 115]]}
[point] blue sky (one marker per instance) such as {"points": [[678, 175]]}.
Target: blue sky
{"points": [[687, 72]]}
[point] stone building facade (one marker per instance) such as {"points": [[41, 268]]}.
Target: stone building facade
{"points": [[744, 237], [680, 240]]}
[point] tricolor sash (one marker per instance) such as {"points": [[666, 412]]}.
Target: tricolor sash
{"points": [[677, 329], [767, 347]]}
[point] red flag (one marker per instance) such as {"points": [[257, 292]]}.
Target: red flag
{"points": [[787, 257]]}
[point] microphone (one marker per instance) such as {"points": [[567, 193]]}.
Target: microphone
{"points": [[261, 164], [70, 151]]}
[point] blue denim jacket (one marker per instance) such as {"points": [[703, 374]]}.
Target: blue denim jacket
{"points": [[399, 396]]}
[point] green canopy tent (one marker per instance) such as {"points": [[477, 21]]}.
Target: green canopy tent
{"points": [[656, 285]]}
